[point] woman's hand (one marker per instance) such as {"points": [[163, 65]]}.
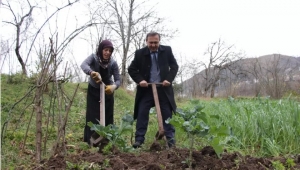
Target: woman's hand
{"points": [[96, 77], [109, 89]]}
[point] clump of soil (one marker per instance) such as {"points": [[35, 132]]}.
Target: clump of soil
{"points": [[169, 159], [155, 147]]}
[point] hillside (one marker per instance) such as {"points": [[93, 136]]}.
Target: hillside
{"points": [[250, 77], [227, 124]]}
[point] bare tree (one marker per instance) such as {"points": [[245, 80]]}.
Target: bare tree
{"points": [[49, 58], [22, 21], [254, 71], [130, 21], [48, 74], [274, 74], [181, 75], [194, 85], [5, 49], [221, 57], [271, 74]]}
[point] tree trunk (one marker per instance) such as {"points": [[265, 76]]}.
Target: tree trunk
{"points": [[126, 48], [123, 73], [24, 71], [17, 51], [212, 91], [38, 110]]}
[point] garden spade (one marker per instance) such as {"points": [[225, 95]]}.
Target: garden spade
{"points": [[160, 134], [96, 139]]}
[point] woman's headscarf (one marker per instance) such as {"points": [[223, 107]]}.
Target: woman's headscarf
{"points": [[104, 44]]}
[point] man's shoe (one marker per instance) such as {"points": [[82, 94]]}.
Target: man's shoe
{"points": [[137, 144], [171, 145], [171, 142]]}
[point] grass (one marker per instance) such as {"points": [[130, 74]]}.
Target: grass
{"points": [[259, 126]]}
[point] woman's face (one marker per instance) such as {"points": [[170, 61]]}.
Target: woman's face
{"points": [[106, 53]]}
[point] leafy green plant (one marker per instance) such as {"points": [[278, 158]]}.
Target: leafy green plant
{"points": [[84, 165], [290, 163], [83, 146], [196, 123], [106, 163], [115, 134], [71, 165], [188, 162], [278, 165], [107, 149]]}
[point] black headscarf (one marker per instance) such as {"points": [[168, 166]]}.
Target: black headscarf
{"points": [[104, 44]]}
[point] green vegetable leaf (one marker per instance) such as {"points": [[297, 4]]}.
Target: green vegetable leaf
{"points": [[217, 147]]}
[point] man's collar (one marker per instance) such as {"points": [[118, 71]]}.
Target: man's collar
{"points": [[153, 51], [147, 50]]}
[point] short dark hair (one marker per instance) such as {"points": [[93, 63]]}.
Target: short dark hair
{"points": [[150, 34]]}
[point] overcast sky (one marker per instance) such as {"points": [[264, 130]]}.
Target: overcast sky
{"points": [[259, 27]]}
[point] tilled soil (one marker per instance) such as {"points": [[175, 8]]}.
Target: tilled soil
{"points": [[169, 159]]}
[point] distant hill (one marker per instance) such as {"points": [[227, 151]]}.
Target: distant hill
{"points": [[272, 75]]}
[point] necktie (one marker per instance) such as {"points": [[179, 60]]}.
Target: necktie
{"points": [[154, 72], [154, 59]]}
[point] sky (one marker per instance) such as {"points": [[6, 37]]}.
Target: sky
{"points": [[257, 27]]}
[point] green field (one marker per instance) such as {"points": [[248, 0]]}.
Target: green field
{"points": [[257, 126]]}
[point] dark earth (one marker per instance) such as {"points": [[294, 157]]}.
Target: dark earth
{"points": [[172, 159]]}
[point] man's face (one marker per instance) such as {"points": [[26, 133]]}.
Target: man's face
{"points": [[153, 42]]}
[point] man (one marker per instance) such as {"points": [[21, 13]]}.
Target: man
{"points": [[153, 64]]}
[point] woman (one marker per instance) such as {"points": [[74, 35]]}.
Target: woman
{"points": [[101, 67]]}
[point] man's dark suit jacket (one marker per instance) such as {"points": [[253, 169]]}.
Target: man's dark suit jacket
{"points": [[139, 70]]}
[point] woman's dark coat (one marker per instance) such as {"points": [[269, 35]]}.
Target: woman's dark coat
{"points": [[139, 70]]}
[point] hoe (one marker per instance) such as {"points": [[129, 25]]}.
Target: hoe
{"points": [[160, 134], [96, 139]]}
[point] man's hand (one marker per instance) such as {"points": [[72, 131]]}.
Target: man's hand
{"points": [[109, 89], [96, 77], [143, 83], [166, 83]]}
